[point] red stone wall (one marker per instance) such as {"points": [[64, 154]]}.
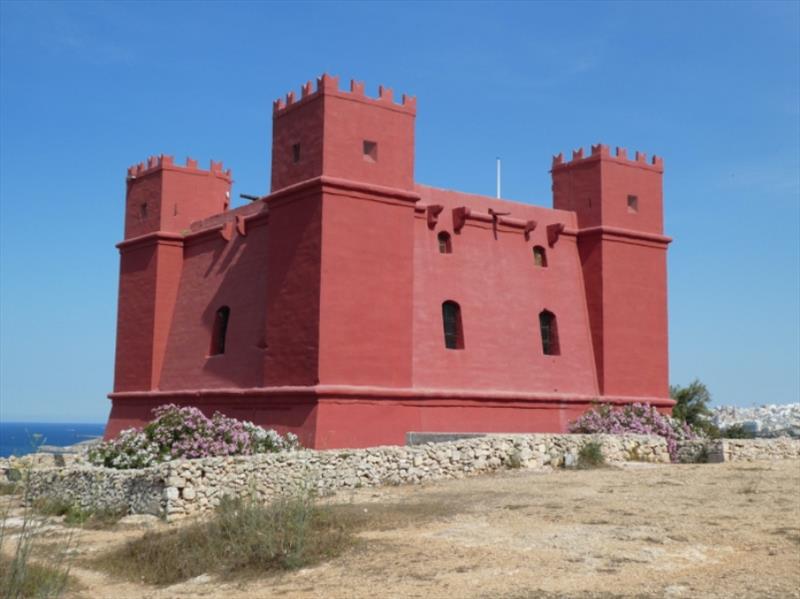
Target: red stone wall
{"points": [[366, 310], [491, 274], [218, 273], [135, 319], [293, 290]]}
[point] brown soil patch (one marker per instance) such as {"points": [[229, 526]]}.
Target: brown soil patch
{"points": [[716, 530]]}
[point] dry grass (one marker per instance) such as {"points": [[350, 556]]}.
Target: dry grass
{"points": [[392, 516], [591, 455], [30, 579], [21, 575], [10, 488], [74, 516], [243, 538]]}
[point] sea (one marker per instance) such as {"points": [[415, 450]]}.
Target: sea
{"points": [[20, 438]]}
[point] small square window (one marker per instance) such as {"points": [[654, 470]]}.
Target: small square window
{"points": [[296, 153], [370, 151], [633, 204]]}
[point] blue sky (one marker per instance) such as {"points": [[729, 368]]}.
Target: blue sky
{"points": [[714, 88]]}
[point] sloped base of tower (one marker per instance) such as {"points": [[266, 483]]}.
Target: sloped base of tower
{"points": [[339, 416]]}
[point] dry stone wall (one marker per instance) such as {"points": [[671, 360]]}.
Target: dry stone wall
{"points": [[738, 450], [93, 488], [184, 487], [750, 450]]}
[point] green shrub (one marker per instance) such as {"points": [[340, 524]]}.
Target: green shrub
{"points": [[691, 406], [736, 431], [591, 455], [243, 537]]}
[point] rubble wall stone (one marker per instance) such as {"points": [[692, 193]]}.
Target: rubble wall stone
{"points": [[738, 450], [184, 487]]}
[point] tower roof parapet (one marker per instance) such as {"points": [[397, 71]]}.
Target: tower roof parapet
{"points": [[165, 161], [329, 85], [603, 152]]}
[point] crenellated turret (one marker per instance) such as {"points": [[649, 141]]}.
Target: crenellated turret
{"points": [[343, 134], [327, 84], [610, 190], [603, 151], [164, 196]]}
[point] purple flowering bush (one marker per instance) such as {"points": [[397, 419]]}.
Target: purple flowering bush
{"points": [[187, 433], [639, 419]]}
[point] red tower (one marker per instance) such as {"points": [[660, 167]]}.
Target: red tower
{"points": [[162, 200], [341, 238], [352, 305], [618, 203]]}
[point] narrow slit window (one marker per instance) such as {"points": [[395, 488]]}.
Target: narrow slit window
{"points": [[453, 330], [539, 256], [370, 151], [549, 332], [143, 211], [445, 243], [296, 153], [220, 330], [633, 204]]}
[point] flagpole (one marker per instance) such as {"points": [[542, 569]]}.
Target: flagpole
{"points": [[498, 178]]}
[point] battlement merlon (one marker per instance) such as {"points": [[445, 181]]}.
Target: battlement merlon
{"points": [[166, 162], [602, 152], [329, 85]]}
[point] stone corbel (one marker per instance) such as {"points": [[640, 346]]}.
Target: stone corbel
{"points": [[227, 231], [240, 225], [554, 232], [433, 214], [530, 226], [460, 216]]}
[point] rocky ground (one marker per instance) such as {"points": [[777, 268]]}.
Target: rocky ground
{"points": [[644, 530]]}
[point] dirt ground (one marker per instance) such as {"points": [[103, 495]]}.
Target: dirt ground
{"points": [[716, 530]]}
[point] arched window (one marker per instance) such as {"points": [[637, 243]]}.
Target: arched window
{"points": [[219, 331], [453, 330], [445, 244], [539, 256], [549, 331]]}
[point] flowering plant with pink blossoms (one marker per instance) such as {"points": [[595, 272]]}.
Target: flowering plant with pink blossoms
{"points": [[187, 433], [639, 419]]}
